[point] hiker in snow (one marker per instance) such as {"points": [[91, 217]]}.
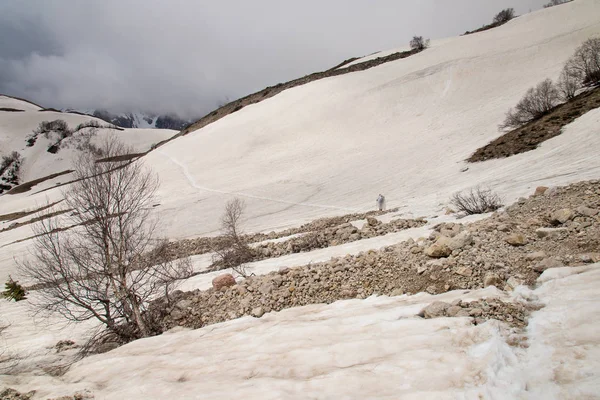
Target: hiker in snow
{"points": [[380, 202]]}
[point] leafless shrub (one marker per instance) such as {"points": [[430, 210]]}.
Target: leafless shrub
{"points": [[536, 102], [504, 16], [96, 269], [553, 3], [419, 43], [585, 63], [58, 126], [569, 82], [233, 251], [477, 200]]}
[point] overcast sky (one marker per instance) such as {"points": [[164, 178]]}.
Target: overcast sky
{"points": [[189, 56]]}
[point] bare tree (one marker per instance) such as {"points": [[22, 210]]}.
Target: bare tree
{"points": [[477, 200], [569, 82], [91, 264], [585, 63], [233, 250], [418, 43], [536, 102], [504, 16]]}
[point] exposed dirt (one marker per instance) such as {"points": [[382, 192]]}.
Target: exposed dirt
{"points": [[25, 187], [528, 137]]}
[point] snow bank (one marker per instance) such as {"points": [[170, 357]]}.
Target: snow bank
{"points": [[354, 349]]}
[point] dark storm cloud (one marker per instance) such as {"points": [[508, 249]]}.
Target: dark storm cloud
{"points": [[189, 56]]}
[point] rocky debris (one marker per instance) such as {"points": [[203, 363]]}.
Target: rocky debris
{"points": [[202, 245], [514, 314], [64, 345], [12, 394], [334, 236], [86, 394], [223, 281], [483, 258], [516, 239]]}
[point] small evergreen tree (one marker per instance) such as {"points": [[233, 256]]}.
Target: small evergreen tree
{"points": [[13, 290]]}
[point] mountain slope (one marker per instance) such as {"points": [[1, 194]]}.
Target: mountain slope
{"points": [[17, 127], [402, 129]]}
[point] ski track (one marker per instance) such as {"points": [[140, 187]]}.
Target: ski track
{"points": [[193, 183]]}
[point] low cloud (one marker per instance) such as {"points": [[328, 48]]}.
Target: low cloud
{"points": [[187, 57]]}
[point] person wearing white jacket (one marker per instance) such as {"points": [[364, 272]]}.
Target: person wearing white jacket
{"points": [[381, 202]]}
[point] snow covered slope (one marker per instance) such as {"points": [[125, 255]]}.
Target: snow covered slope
{"points": [[361, 349], [402, 129], [16, 127]]}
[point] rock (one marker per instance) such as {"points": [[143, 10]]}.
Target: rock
{"points": [[440, 248], [348, 293], [589, 258], [537, 255], [177, 315], [461, 240], [547, 263], [551, 233], [476, 312], [453, 311], [257, 312], [586, 211], [561, 216], [397, 292], [513, 282], [492, 279], [464, 271], [223, 281], [373, 221], [183, 304], [435, 310], [540, 190], [516, 239]]}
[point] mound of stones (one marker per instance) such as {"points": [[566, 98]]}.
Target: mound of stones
{"points": [[557, 227], [334, 236], [202, 245]]}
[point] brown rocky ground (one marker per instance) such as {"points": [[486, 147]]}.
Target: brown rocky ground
{"points": [[529, 136], [202, 245], [512, 247]]}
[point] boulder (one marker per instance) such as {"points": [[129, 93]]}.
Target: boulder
{"points": [[461, 240], [435, 310], [492, 279], [257, 312], [561, 216], [513, 282], [516, 239], [551, 233], [535, 256], [439, 249], [586, 211], [223, 281], [540, 190], [547, 263], [371, 221], [464, 271]]}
